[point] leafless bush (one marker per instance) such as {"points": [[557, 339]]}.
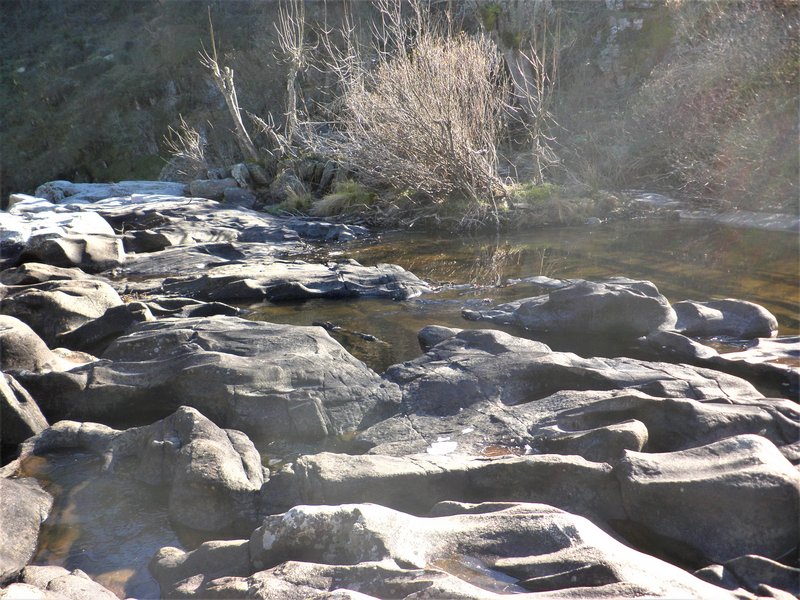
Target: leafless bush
{"points": [[187, 148], [422, 110]]}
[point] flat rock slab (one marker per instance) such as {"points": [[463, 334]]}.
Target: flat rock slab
{"points": [[774, 362], [297, 280], [416, 483], [271, 381], [619, 307], [465, 551], [66, 191], [597, 425]]}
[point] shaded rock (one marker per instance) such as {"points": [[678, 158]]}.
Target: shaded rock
{"points": [[148, 240], [24, 508], [483, 551], [30, 273], [271, 381], [259, 174], [694, 496], [241, 174], [92, 253], [774, 362], [433, 334], [229, 558], [74, 585], [734, 318], [20, 417], [416, 483], [295, 280], [619, 307], [754, 571], [95, 336], [21, 349], [213, 474], [284, 185], [239, 197], [327, 232], [55, 307], [212, 189]]}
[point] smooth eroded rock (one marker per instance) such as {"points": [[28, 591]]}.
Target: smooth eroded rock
{"points": [[55, 307], [23, 509], [617, 307], [733, 497], [274, 382], [729, 317]]}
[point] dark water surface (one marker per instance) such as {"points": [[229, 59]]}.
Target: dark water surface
{"points": [[686, 260]]}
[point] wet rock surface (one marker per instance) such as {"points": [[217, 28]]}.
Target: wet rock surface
{"points": [[489, 465]]}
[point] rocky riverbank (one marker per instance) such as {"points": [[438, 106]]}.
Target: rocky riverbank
{"points": [[283, 467]]}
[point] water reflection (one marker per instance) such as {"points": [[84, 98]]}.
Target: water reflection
{"points": [[109, 527], [697, 261]]}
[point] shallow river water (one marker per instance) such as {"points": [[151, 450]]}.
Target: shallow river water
{"points": [[686, 260]]}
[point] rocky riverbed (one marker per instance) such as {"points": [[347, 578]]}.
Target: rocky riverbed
{"points": [[156, 442]]}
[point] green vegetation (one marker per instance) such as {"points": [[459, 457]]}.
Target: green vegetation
{"points": [[348, 197]]}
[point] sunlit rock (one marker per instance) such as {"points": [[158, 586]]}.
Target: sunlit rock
{"points": [[618, 307], [733, 497]]}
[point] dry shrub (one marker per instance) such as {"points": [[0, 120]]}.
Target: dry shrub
{"points": [[422, 111]]}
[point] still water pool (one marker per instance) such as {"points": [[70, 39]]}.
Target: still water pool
{"points": [[686, 260]]}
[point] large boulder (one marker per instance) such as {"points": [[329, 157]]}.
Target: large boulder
{"points": [[24, 508], [733, 497], [270, 381], [617, 307], [734, 318], [20, 417], [55, 307], [467, 551], [92, 253], [21, 349], [213, 475]]}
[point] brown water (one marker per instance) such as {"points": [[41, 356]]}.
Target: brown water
{"points": [[697, 261], [109, 527]]}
